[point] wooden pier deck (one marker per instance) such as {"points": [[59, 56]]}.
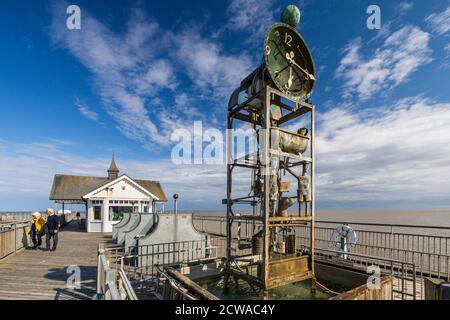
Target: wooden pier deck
{"points": [[36, 274]]}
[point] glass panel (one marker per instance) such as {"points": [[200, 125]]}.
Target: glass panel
{"points": [[116, 213], [97, 213]]}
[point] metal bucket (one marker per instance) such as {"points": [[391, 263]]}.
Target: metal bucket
{"points": [[257, 244], [291, 142]]}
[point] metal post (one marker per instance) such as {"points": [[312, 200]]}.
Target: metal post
{"points": [[175, 203], [414, 281], [313, 189], [266, 155], [175, 206], [15, 237], [101, 251], [229, 188]]}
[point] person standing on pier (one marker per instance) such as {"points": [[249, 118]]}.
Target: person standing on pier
{"points": [[37, 229], [52, 229]]}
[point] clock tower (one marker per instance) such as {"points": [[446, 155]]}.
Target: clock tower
{"points": [[278, 245]]}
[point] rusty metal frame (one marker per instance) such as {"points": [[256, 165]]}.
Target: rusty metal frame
{"points": [[245, 112]]}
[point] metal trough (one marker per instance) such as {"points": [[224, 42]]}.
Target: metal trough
{"points": [[141, 230], [120, 224], [134, 221], [171, 228]]}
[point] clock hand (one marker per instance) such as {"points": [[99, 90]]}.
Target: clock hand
{"points": [[290, 77], [279, 72], [290, 58]]}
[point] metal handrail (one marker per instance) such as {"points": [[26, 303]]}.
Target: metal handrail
{"points": [[128, 288], [222, 218], [14, 238], [384, 225], [428, 247], [106, 278]]}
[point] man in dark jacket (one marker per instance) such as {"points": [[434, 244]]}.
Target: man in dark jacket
{"points": [[52, 229]]}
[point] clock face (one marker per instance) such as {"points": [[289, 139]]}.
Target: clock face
{"points": [[289, 61]]}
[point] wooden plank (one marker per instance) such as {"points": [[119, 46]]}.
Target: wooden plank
{"points": [[203, 293], [36, 274]]}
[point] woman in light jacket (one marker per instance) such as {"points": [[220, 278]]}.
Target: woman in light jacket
{"points": [[36, 229]]}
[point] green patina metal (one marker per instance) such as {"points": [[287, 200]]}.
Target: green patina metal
{"points": [[291, 15], [289, 61]]}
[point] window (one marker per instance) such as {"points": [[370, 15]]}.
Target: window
{"points": [[116, 213], [97, 213]]}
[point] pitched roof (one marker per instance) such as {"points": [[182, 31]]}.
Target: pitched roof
{"points": [[154, 187], [73, 188]]}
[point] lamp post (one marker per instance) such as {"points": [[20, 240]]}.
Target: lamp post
{"points": [[175, 203], [175, 208]]}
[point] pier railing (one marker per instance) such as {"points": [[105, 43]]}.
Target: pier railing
{"points": [[123, 274], [427, 247], [430, 253], [106, 278], [112, 281], [14, 238]]}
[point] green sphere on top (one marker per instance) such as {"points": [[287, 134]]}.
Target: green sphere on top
{"points": [[291, 15]]}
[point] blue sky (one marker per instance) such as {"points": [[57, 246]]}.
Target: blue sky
{"points": [[136, 71]]}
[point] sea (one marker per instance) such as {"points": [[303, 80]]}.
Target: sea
{"points": [[424, 218]]}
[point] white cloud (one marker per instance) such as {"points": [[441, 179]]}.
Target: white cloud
{"points": [[405, 6], [213, 71], [439, 22], [119, 61], [401, 54], [28, 169], [252, 16], [136, 72], [397, 153], [85, 111], [159, 74]]}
